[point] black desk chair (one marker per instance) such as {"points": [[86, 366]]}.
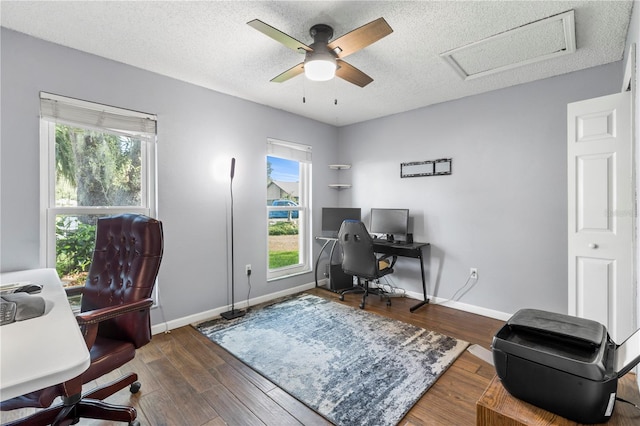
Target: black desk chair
{"points": [[359, 259]]}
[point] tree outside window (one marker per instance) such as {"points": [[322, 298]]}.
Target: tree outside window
{"points": [[93, 169]]}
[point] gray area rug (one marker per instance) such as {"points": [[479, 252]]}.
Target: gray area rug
{"points": [[349, 365]]}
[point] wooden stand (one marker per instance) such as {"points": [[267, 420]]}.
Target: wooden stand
{"points": [[496, 407]]}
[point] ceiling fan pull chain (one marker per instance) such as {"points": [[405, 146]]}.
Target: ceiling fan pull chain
{"points": [[304, 91]]}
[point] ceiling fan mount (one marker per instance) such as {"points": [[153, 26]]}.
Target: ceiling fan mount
{"points": [[324, 59], [321, 33]]}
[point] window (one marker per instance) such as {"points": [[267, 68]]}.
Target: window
{"points": [[288, 208], [96, 161]]}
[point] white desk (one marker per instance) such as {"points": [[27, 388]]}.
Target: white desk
{"points": [[42, 351]]}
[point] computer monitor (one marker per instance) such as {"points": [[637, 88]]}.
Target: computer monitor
{"points": [[389, 222], [332, 218]]}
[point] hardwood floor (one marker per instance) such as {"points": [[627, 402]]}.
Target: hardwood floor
{"points": [[188, 380]]}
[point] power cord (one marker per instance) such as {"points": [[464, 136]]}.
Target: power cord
{"points": [[471, 279], [164, 320], [249, 284], [627, 402], [389, 288]]}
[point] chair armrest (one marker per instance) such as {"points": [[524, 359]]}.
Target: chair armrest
{"points": [[98, 315], [89, 320], [387, 256], [74, 291]]}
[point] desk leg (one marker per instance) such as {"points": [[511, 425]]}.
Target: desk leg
{"points": [[318, 260], [424, 287]]}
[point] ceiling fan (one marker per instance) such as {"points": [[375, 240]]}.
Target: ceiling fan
{"points": [[324, 59]]}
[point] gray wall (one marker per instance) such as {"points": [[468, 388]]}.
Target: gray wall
{"points": [[504, 208], [196, 127]]}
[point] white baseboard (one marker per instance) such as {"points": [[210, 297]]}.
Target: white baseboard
{"points": [[502, 316], [214, 313]]}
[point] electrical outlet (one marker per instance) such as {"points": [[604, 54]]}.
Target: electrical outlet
{"points": [[248, 269], [473, 273]]}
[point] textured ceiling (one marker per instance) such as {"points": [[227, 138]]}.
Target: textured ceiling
{"points": [[209, 44]]}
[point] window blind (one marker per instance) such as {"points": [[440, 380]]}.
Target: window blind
{"points": [[289, 150], [59, 108]]}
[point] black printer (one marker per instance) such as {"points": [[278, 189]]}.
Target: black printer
{"points": [[563, 364]]}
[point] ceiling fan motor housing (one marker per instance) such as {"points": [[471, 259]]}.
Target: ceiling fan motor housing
{"points": [[321, 34], [320, 58]]}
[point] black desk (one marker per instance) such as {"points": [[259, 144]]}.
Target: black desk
{"points": [[412, 250]]}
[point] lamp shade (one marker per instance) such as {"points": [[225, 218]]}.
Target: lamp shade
{"points": [[320, 66]]}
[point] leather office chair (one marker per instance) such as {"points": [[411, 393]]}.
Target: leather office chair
{"points": [[359, 259], [114, 320]]}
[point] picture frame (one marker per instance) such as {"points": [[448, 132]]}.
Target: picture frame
{"points": [[438, 167]]}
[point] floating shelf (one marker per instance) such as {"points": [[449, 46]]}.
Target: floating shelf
{"points": [[339, 167]]}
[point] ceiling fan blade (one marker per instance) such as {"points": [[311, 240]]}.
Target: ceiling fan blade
{"points": [[348, 72], [290, 73], [360, 38], [279, 36]]}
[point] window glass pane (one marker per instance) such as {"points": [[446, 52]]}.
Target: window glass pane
{"points": [[284, 213], [96, 168], [284, 244], [75, 240]]}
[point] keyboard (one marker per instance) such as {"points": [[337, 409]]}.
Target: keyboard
{"points": [[383, 242], [12, 287], [7, 312]]}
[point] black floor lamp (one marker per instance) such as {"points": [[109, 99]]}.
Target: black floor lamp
{"points": [[233, 313]]}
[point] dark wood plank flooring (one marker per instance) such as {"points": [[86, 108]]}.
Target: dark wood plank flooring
{"points": [[188, 380]]}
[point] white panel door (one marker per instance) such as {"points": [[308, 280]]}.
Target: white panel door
{"points": [[601, 224]]}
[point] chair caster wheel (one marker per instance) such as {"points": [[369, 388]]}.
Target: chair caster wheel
{"points": [[388, 302], [135, 387], [362, 306], [341, 297]]}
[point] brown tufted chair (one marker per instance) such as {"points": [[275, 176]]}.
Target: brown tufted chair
{"points": [[114, 319]]}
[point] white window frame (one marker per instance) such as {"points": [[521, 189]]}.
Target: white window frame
{"points": [[48, 208], [302, 154]]}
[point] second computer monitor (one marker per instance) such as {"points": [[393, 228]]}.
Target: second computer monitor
{"points": [[390, 222], [332, 218]]}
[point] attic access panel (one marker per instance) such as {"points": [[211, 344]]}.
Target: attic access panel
{"points": [[534, 42]]}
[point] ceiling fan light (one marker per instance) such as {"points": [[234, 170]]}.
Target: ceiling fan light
{"points": [[320, 69]]}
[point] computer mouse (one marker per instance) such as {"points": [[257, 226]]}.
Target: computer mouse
{"points": [[29, 288]]}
